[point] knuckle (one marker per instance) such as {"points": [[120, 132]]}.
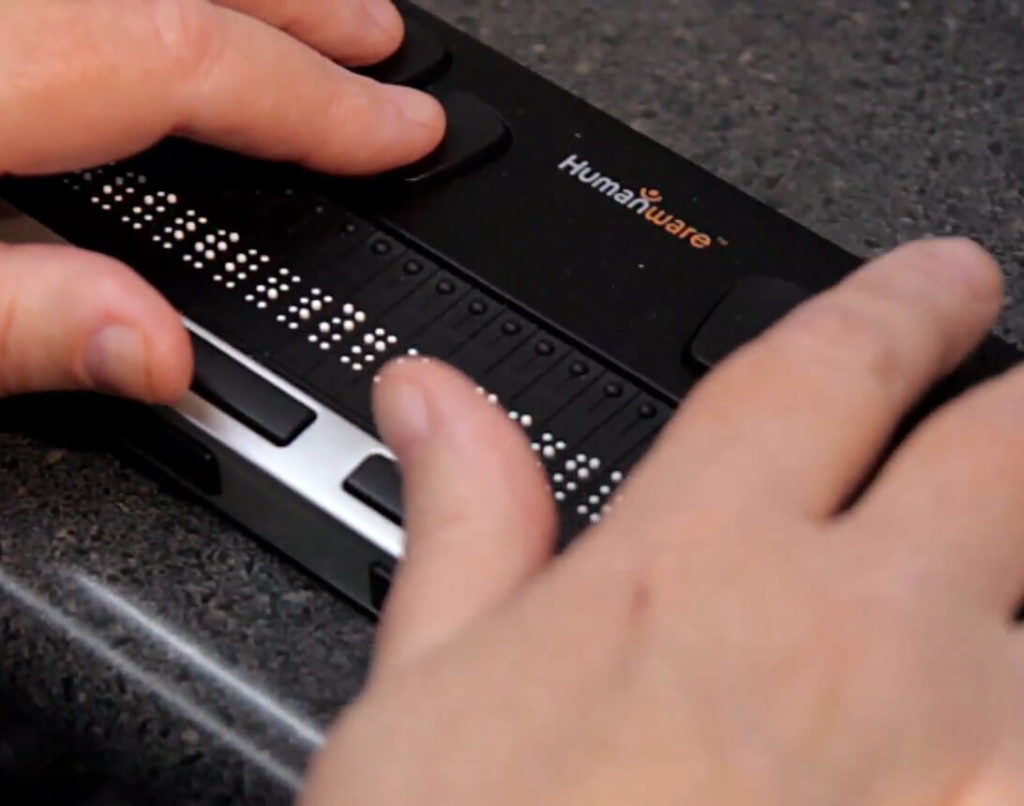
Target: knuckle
{"points": [[186, 34], [844, 336]]}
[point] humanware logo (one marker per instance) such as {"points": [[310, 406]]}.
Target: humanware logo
{"points": [[646, 203]]}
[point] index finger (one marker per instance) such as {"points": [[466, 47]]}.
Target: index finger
{"points": [[91, 82]]}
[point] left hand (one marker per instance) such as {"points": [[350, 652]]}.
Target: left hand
{"points": [[90, 82]]}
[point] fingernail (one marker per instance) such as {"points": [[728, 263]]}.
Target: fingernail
{"points": [[417, 107], [383, 13], [115, 360], [403, 414]]}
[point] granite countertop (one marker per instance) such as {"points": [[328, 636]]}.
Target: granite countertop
{"points": [[144, 635]]}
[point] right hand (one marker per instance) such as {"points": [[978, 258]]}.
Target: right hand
{"points": [[732, 634], [91, 82]]}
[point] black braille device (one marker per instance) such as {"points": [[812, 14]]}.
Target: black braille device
{"points": [[583, 275]]}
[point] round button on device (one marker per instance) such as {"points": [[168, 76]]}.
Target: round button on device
{"points": [[646, 410], [445, 287], [477, 307], [613, 390], [511, 328], [381, 247], [578, 369], [544, 348], [413, 267]]}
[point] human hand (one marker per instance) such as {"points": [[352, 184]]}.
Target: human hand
{"points": [[736, 631], [90, 82]]}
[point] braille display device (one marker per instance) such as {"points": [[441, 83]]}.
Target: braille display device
{"points": [[583, 275]]}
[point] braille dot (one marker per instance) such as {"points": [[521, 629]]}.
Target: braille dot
{"points": [[559, 496], [336, 320], [381, 247], [380, 331], [368, 338], [605, 489], [242, 275], [149, 200], [571, 486], [325, 345], [317, 305], [211, 255], [413, 267], [304, 314], [190, 226], [582, 509], [511, 328], [513, 415], [356, 349], [583, 473], [392, 339], [613, 390], [335, 337], [647, 411], [558, 478], [357, 367], [594, 500], [477, 307], [549, 452], [346, 360], [349, 325], [312, 338], [348, 309], [492, 399], [223, 247], [325, 327], [616, 477], [595, 518], [445, 287], [578, 369], [242, 258], [234, 237], [413, 351], [570, 465], [544, 348], [172, 199], [380, 347], [360, 316], [526, 420], [581, 457]]}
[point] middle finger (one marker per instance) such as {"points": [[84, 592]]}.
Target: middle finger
{"points": [[354, 32], [792, 422]]}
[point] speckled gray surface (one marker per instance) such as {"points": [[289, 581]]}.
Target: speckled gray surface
{"points": [[870, 122]]}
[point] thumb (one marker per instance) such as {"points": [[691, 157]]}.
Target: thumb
{"points": [[72, 320], [480, 520]]}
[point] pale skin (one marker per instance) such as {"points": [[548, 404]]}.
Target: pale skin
{"points": [[732, 633]]}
